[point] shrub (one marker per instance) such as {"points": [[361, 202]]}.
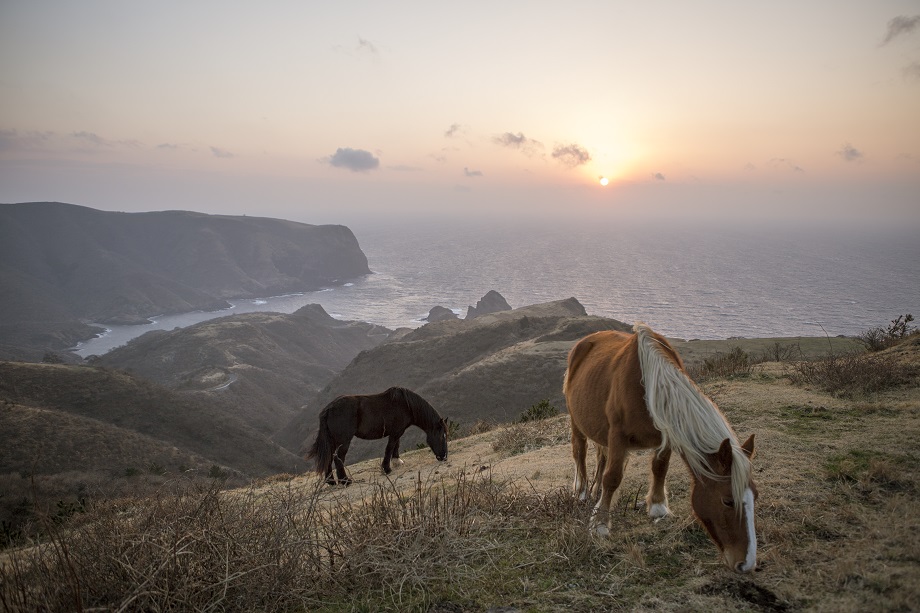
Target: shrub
{"points": [[851, 374], [778, 352], [541, 410], [735, 362], [876, 339]]}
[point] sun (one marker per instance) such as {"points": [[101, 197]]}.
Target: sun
{"points": [[604, 181]]}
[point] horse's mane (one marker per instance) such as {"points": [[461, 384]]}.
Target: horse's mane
{"points": [[423, 414], [689, 421]]}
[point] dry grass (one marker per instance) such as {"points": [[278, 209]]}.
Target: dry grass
{"points": [[837, 517]]}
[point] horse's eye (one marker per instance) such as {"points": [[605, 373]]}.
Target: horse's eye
{"points": [[729, 503]]}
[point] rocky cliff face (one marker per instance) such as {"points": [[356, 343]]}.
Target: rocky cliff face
{"points": [[492, 302], [63, 265]]}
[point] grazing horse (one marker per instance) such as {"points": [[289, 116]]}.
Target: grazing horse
{"points": [[630, 391], [373, 416]]}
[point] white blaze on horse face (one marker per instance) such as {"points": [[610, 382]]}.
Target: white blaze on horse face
{"points": [[751, 559]]}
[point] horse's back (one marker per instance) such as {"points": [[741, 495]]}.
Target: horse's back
{"points": [[603, 389]]}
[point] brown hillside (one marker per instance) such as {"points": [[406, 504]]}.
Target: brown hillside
{"points": [[490, 368], [262, 366]]}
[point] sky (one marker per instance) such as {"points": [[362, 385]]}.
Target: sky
{"points": [[336, 111]]}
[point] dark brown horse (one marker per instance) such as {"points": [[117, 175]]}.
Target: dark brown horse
{"points": [[630, 391], [374, 416]]}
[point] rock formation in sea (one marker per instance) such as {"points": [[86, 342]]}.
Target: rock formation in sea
{"points": [[440, 313], [492, 302]]}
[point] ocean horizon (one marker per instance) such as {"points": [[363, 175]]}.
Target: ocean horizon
{"points": [[686, 281]]}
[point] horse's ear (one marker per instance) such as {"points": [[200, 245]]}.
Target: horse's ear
{"points": [[724, 455], [748, 447]]}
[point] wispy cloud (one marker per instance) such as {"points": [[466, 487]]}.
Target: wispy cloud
{"points": [[849, 153], [455, 129], [171, 146], [659, 177], [366, 46], [784, 163], [91, 138], [518, 141], [355, 160], [750, 167], [571, 155], [221, 153], [471, 173], [902, 24], [912, 71]]}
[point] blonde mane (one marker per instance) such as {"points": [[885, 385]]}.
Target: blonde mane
{"points": [[689, 422]]}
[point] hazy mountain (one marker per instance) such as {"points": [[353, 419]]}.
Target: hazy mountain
{"points": [[63, 265], [262, 366], [489, 368]]}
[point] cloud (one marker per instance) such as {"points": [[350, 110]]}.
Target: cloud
{"points": [[750, 167], [849, 153], [355, 160], [912, 71], [901, 24], [92, 138], [518, 141], [781, 163], [220, 153], [366, 46], [659, 177], [571, 155], [172, 146], [471, 173], [453, 130]]}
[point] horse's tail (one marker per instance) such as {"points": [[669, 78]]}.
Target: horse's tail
{"points": [[322, 446]]}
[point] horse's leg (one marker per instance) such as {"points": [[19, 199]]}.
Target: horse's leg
{"points": [[392, 448], [396, 457], [579, 449], [601, 520], [657, 498], [339, 459], [601, 453]]}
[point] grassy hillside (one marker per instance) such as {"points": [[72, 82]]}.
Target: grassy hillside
{"points": [[486, 369], [261, 366], [494, 367], [497, 528]]}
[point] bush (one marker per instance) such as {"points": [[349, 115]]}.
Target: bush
{"points": [[779, 352], [852, 374], [876, 339], [735, 362], [541, 410]]}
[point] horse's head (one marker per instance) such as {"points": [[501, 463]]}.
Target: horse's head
{"points": [[728, 520], [437, 439]]}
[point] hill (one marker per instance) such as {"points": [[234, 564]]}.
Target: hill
{"points": [[497, 527], [68, 431], [262, 366], [486, 369], [62, 266]]}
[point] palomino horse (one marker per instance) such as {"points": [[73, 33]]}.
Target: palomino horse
{"points": [[374, 416], [630, 391]]}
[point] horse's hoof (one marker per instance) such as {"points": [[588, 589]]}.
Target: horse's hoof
{"points": [[658, 511], [399, 461], [601, 530], [345, 482]]}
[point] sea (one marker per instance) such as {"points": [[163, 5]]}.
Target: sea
{"points": [[689, 280]]}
